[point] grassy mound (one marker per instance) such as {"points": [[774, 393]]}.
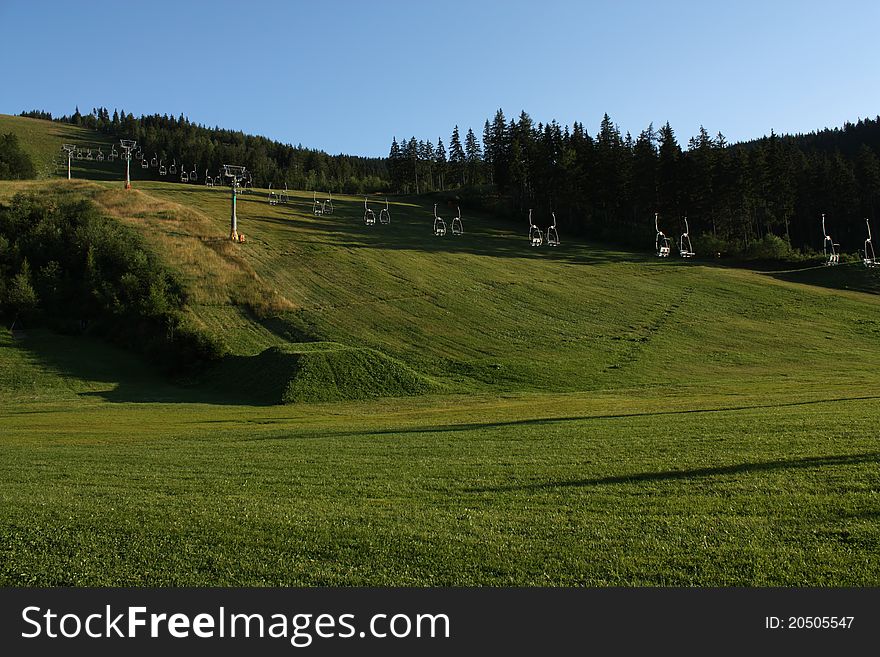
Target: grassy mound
{"points": [[311, 372]]}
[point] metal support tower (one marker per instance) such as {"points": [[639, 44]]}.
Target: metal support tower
{"points": [[70, 148], [128, 146], [235, 174]]}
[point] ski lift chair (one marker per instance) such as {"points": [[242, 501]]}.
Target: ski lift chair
{"points": [[184, 176], [684, 244], [829, 247], [89, 155], [144, 163], [273, 200], [317, 208], [661, 242], [113, 152], [457, 226], [285, 197], [385, 214], [79, 154], [552, 234], [439, 224], [870, 259], [536, 237], [369, 217], [328, 204], [162, 170], [173, 169], [193, 176], [100, 156], [154, 161], [209, 182]]}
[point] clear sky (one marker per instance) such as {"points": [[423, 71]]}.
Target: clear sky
{"points": [[346, 76]]}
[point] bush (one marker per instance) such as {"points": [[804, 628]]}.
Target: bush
{"points": [[770, 247], [15, 164], [708, 245], [67, 265]]}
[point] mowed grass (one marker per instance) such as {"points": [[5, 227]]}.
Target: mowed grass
{"points": [[745, 487], [42, 140], [597, 417]]}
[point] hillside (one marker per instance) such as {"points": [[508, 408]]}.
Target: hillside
{"points": [[456, 411], [42, 140]]}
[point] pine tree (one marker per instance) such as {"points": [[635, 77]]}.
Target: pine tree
{"points": [[644, 178], [473, 155], [500, 151], [669, 155], [395, 165], [441, 164], [412, 153], [488, 151], [456, 156]]}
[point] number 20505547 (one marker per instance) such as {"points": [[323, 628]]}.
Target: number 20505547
{"points": [[808, 622]]}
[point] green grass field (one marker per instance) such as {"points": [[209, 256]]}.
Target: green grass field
{"points": [[492, 414]]}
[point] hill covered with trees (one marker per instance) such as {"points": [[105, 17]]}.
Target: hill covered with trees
{"points": [[761, 197], [200, 147], [738, 198]]}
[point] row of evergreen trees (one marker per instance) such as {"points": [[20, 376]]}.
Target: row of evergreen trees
{"points": [[197, 147], [735, 197], [418, 166], [606, 185]]}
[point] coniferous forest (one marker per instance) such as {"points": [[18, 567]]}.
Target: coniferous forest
{"points": [[202, 148], [760, 198]]}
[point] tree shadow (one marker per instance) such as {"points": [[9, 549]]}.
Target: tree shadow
{"points": [[678, 475], [852, 276], [537, 422], [121, 376], [411, 229]]}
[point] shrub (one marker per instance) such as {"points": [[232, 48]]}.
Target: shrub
{"points": [[15, 164], [770, 247], [70, 266]]}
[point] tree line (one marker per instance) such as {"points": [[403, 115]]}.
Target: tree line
{"points": [[761, 197], [198, 147]]}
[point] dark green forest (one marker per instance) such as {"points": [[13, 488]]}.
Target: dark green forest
{"points": [[200, 148], [760, 198]]}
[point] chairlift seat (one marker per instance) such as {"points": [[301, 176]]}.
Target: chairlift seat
{"points": [[536, 237]]}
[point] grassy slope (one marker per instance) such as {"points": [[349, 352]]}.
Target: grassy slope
{"points": [[42, 140], [609, 419]]}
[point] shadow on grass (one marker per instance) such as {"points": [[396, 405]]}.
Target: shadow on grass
{"points": [[476, 426], [121, 376], [809, 462], [411, 230], [850, 276]]}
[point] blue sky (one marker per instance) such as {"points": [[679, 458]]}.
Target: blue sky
{"points": [[347, 76]]}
